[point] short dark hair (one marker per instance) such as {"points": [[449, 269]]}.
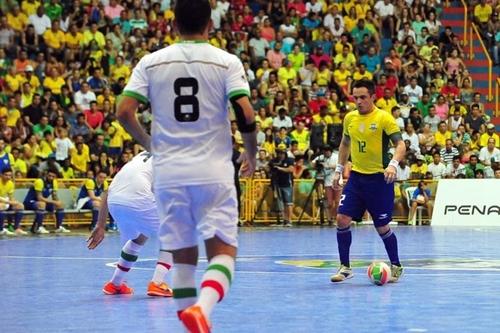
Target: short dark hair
{"points": [[365, 84], [8, 169], [192, 16]]}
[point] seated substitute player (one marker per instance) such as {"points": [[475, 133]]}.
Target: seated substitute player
{"points": [[132, 203], [90, 196], [8, 203], [366, 137], [41, 197]]}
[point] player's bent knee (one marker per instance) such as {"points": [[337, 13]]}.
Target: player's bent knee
{"points": [[343, 221], [383, 229]]}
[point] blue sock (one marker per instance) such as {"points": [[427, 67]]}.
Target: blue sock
{"points": [[59, 217], [39, 214], [2, 218], [344, 239], [18, 216], [95, 215], [391, 246]]}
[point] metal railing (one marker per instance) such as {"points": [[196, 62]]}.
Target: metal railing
{"points": [[466, 20], [474, 30], [497, 103]]}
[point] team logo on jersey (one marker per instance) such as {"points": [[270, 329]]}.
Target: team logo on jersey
{"points": [[373, 127]]}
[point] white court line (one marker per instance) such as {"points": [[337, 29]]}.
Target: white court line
{"points": [[55, 258]]}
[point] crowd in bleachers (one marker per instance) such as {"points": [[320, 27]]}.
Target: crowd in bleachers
{"points": [[63, 65]]}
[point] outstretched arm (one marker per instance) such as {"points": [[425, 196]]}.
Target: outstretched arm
{"points": [[100, 230]]}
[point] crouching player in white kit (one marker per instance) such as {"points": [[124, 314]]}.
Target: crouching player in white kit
{"points": [[132, 204], [189, 85]]}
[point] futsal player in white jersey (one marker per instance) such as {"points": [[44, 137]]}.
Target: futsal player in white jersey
{"points": [[133, 206], [189, 85]]}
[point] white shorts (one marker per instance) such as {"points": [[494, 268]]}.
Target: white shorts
{"points": [[210, 210], [132, 221]]}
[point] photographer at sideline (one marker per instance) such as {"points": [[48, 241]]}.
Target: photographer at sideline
{"points": [[325, 165], [281, 177], [421, 197]]}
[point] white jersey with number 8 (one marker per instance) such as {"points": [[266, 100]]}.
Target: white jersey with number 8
{"points": [[188, 85]]}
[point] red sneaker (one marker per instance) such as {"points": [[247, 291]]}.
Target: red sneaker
{"points": [[194, 320], [110, 289]]}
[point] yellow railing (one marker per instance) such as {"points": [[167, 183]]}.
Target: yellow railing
{"points": [[497, 104], [488, 58], [260, 203], [466, 19]]}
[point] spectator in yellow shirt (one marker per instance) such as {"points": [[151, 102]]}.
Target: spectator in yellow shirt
{"points": [[80, 160], [482, 14], [17, 20], [418, 169], [362, 73], [29, 6], [47, 145], [18, 163], [442, 134], [346, 57], [73, 39], [54, 39], [54, 82], [490, 133], [30, 78], [120, 70], [13, 81], [301, 135], [287, 72], [387, 102], [341, 75], [13, 114], [94, 34]]}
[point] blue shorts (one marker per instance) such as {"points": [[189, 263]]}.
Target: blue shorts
{"points": [[286, 194], [31, 205], [368, 192]]}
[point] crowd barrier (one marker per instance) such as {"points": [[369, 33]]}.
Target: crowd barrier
{"points": [[260, 203]]}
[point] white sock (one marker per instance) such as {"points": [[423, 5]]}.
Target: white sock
{"points": [[128, 257], [163, 265], [216, 282], [184, 286]]}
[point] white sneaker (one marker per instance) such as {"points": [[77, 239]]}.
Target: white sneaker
{"points": [[6, 232], [42, 230], [20, 232], [62, 229]]}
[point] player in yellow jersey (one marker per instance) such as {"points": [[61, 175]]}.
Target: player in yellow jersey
{"points": [[7, 202], [367, 134]]}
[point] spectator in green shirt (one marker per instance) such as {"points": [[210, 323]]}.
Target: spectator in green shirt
{"points": [[53, 10], [424, 104], [42, 127], [473, 166]]}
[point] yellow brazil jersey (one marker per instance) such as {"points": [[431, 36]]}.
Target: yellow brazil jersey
{"points": [[386, 105], [341, 77], [39, 184], [370, 139], [366, 75], [418, 169], [67, 173], [118, 72], [20, 165], [47, 148], [80, 161], [13, 82], [483, 140], [90, 185], [285, 74], [29, 8], [12, 117], [441, 138], [33, 81], [6, 189], [323, 77], [73, 41], [53, 39], [54, 84], [102, 98], [18, 22], [301, 138], [3, 111]]}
